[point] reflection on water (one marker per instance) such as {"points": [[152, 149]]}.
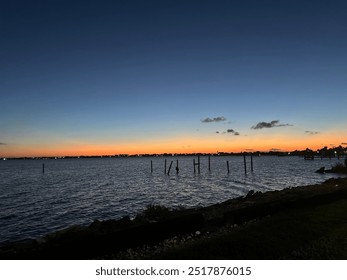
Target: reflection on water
{"points": [[77, 191]]}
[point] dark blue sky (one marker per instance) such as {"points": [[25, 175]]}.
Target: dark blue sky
{"points": [[109, 73]]}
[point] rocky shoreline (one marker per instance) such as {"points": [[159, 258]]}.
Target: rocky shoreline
{"points": [[157, 228]]}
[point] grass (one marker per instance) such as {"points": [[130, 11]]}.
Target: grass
{"points": [[308, 233]]}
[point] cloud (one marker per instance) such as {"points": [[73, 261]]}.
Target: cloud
{"points": [[233, 132], [229, 131], [216, 119], [1, 143], [344, 143], [276, 123], [311, 132], [275, 150]]}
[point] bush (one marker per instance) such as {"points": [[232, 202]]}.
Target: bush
{"points": [[339, 168], [154, 212]]}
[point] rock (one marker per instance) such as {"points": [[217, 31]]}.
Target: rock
{"points": [[250, 194], [321, 170]]}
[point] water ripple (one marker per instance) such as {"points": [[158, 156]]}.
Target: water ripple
{"points": [[78, 191]]}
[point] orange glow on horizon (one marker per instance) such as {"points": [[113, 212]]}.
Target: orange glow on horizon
{"points": [[180, 145]]}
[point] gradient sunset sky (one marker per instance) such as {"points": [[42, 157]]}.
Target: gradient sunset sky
{"points": [[112, 77]]}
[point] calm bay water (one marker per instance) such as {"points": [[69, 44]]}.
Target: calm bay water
{"points": [[78, 191]]}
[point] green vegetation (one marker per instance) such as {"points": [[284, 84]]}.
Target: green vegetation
{"points": [[307, 233], [157, 213], [339, 168], [153, 213]]}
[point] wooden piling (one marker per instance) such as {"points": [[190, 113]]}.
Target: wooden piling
{"points": [[168, 173], [196, 164], [199, 164], [209, 163], [251, 162], [177, 169], [228, 167], [43, 168], [244, 163]]}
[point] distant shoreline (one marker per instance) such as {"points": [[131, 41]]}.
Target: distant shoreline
{"points": [[324, 152], [302, 154]]}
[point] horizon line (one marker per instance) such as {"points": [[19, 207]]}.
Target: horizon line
{"points": [[218, 153]]}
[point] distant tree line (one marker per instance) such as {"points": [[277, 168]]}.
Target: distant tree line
{"points": [[323, 152]]}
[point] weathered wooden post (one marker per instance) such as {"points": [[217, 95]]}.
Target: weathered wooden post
{"points": [[168, 173], [251, 162], [209, 163], [43, 168], [244, 163], [199, 164], [177, 169], [228, 167]]}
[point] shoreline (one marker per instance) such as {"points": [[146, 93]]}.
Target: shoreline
{"points": [[163, 229]]}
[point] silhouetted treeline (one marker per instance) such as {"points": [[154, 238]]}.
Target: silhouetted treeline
{"points": [[324, 152]]}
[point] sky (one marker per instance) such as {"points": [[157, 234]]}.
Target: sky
{"points": [[132, 77]]}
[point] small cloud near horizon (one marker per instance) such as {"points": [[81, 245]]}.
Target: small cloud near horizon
{"points": [[229, 131], [344, 143], [311, 132], [275, 123], [216, 119], [2, 143], [233, 132]]}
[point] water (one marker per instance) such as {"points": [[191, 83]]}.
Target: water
{"points": [[78, 191]]}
